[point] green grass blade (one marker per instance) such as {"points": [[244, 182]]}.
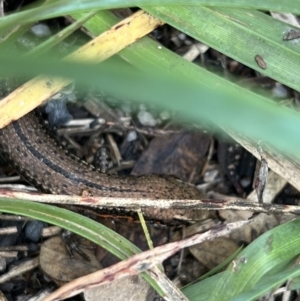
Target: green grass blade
{"points": [[253, 33], [201, 291], [216, 269], [267, 252], [54, 8], [81, 225], [60, 36], [201, 288], [260, 267], [254, 116], [294, 284], [74, 222], [267, 284], [9, 38]]}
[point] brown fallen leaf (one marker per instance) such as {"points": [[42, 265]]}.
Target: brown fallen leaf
{"points": [[56, 262], [212, 253], [181, 155], [133, 288]]}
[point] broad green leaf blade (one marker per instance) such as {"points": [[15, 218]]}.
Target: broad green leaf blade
{"points": [[294, 284], [260, 267], [202, 290], [267, 284], [267, 252], [50, 9], [253, 33], [216, 269]]}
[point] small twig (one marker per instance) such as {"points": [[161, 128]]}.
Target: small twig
{"points": [[22, 248], [10, 254], [2, 14], [8, 230], [145, 229], [274, 186], [10, 179], [152, 132], [261, 179], [285, 166], [20, 269], [51, 231], [131, 204], [17, 218]]}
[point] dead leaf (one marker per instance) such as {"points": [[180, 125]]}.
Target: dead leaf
{"points": [[211, 253], [56, 262], [180, 155], [260, 224], [133, 288]]}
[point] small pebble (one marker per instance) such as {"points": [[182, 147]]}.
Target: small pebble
{"points": [[33, 230], [245, 182], [165, 115], [131, 136], [57, 111], [210, 175], [182, 36], [146, 118], [2, 265], [279, 91], [126, 108], [41, 30], [142, 107]]}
